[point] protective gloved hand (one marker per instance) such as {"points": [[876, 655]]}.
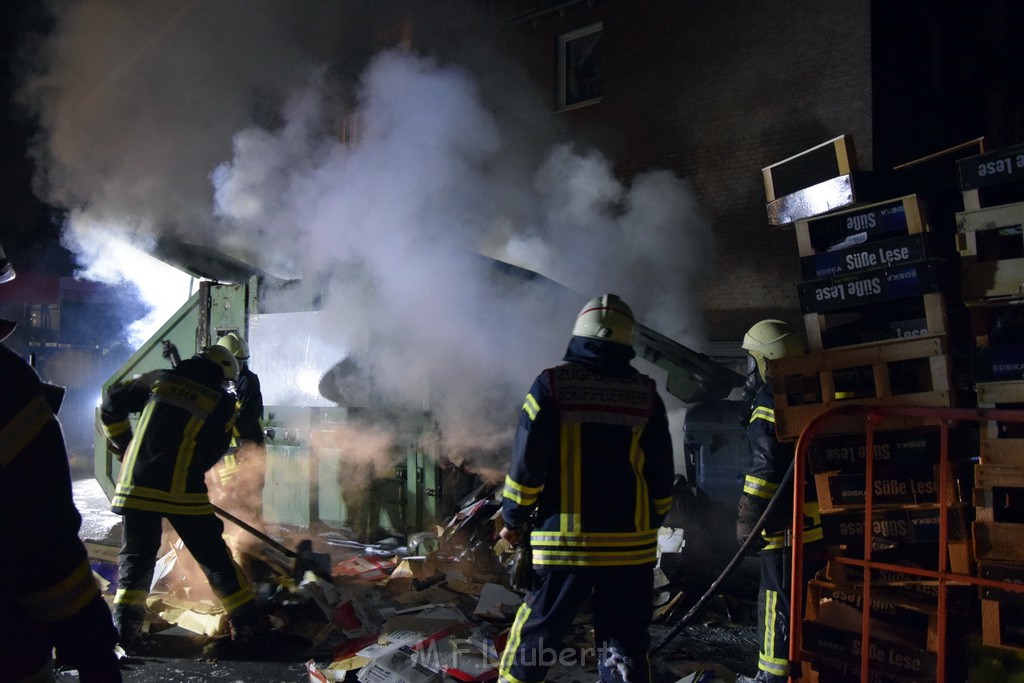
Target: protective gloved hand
{"points": [[743, 531]]}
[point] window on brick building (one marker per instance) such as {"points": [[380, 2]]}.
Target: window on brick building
{"points": [[579, 67]]}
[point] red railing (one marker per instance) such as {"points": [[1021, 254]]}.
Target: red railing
{"points": [[873, 416]]}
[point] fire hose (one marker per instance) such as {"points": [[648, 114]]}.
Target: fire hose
{"points": [[754, 536]]}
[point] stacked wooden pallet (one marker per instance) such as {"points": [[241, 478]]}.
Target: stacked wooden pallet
{"points": [[875, 292], [991, 246]]}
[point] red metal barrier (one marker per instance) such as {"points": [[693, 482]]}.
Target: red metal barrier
{"points": [[873, 417]]}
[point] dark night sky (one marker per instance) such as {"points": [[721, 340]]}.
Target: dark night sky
{"points": [[29, 230]]}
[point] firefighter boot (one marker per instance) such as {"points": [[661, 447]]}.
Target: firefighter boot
{"points": [[129, 620]]}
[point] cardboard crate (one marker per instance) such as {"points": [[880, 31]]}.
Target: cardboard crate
{"points": [[903, 587], [915, 623], [877, 285], [992, 178], [902, 319], [903, 536], [991, 246], [908, 483], [860, 226], [905, 662], [912, 371], [846, 453], [830, 159]]}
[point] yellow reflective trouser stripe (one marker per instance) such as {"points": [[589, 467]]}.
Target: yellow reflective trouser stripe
{"points": [[583, 558], [594, 539], [129, 597], [531, 407], [116, 428], [642, 512], [519, 494], [64, 598], [22, 428], [571, 485], [762, 488], [514, 639], [763, 413], [766, 661]]}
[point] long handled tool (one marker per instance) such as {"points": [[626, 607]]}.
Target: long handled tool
{"points": [[305, 558]]}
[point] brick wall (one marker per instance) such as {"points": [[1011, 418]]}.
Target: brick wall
{"points": [[715, 91]]}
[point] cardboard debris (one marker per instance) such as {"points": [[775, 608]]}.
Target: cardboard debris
{"points": [[198, 616], [365, 568], [497, 602]]}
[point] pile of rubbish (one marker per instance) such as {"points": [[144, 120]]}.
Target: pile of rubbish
{"points": [[434, 606]]}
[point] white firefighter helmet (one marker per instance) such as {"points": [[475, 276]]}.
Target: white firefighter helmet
{"points": [[223, 359], [606, 317], [236, 345], [770, 339]]}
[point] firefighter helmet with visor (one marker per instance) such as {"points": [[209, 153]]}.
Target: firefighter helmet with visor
{"points": [[770, 339], [606, 317], [223, 359]]}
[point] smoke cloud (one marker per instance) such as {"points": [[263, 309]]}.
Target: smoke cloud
{"points": [[387, 150]]}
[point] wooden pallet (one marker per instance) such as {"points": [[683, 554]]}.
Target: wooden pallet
{"points": [[991, 178], [998, 541], [832, 158], [1002, 625], [898, 372], [999, 493], [991, 246], [863, 224], [990, 393]]}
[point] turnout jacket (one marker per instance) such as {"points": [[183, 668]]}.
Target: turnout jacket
{"points": [[250, 406], [48, 597], [769, 462], [593, 455], [185, 425]]}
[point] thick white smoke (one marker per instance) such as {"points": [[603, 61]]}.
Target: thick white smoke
{"points": [[221, 123]]}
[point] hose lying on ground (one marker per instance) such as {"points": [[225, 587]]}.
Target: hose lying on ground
{"points": [[754, 537]]}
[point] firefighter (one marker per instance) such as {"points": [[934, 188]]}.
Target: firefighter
{"points": [[248, 427], [592, 458], [770, 460], [49, 600], [186, 422]]}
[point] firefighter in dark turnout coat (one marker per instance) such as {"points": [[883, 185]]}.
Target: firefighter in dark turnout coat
{"points": [[770, 460], [593, 456], [186, 422], [48, 596]]}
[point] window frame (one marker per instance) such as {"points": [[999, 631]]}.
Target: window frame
{"points": [[563, 42]]}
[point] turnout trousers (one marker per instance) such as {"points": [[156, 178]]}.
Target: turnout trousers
{"points": [[622, 599], [202, 535], [773, 605]]}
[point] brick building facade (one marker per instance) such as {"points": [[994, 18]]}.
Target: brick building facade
{"points": [[717, 91]]}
